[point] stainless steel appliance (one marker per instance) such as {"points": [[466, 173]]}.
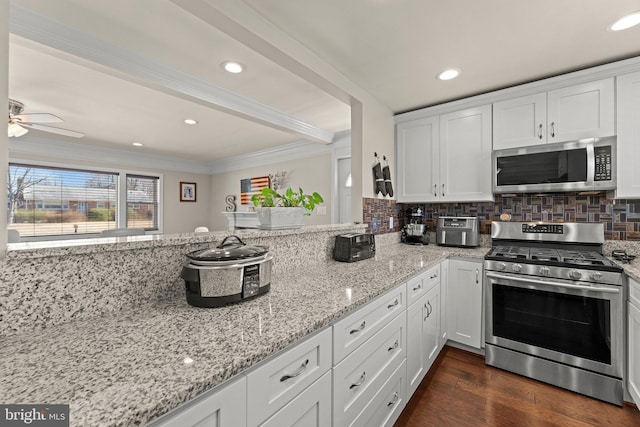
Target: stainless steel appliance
{"points": [[415, 231], [458, 231], [228, 273], [554, 307], [570, 166], [354, 247]]}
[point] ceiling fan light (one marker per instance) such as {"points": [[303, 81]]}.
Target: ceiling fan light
{"points": [[15, 130]]}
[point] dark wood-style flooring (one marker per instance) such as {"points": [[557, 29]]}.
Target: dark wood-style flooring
{"points": [[460, 390]]}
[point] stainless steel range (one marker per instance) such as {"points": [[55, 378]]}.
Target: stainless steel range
{"points": [[555, 307]]}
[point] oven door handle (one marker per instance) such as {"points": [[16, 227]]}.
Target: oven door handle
{"points": [[611, 290]]}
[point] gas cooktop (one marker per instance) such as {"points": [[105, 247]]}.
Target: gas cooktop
{"points": [[569, 257]]}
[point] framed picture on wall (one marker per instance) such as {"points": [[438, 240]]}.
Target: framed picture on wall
{"points": [[187, 191]]}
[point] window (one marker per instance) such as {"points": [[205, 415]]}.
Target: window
{"points": [[142, 202], [46, 202]]}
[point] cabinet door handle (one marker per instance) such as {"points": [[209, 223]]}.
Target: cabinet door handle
{"points": [[540, 131], [396, 302], [417, 287], [435, 190], [300, 370], [477, 276], [362, 326], [360, 381], [395, 399], [553, 129], [394, 346], [442, 190], [427, 306]]}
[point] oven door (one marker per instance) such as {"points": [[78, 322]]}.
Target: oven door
{"points": [[575, 323]]}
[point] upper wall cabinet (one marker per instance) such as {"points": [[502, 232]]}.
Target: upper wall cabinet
{"points": [[628, 123], [445, 158], [581, 111]]}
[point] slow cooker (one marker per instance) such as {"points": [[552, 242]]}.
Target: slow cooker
{"points": [[228, 273]]}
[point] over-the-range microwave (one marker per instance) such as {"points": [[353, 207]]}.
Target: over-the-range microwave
{"points": [[585, 165]]}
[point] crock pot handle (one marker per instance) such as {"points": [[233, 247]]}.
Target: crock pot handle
{"points": [[224, 242]]}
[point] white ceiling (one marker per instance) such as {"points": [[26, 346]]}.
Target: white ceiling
{"points": [[391, 48]]}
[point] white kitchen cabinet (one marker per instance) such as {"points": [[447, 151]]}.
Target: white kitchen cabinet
{"points": [[275, 383], [633, 330], [465, 156], [585, 110], [311, 408], [419, 285], [444, 290], [386, 406], [223, 407], [423, 336], [361, 374], [352, 331], [464, 302], [445, 158], [628, 124], [418, 165]]}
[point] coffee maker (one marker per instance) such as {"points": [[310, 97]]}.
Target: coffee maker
{"points": [[415, 232]]}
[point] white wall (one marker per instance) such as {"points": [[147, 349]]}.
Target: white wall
{"points": [[4, 95], [312, 174]]}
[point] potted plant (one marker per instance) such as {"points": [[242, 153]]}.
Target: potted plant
{"points": [[284, 210]]}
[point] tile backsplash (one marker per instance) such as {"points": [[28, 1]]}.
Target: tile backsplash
{"points": [[621, 218]]}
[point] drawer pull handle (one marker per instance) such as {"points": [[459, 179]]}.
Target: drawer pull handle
{"points": [[429, 309], [434, 275], [418, 287], [396, 302], [394, 346], [355, 331], [300, 370], [395, 399], [360, 382]]}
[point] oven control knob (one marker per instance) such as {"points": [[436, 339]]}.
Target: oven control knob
{"points": [[596, 275], [544, 271], [575, 274], [501, 266], [516, 267]]}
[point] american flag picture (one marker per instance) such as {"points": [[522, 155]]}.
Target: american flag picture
{"points": [[251, 186]]}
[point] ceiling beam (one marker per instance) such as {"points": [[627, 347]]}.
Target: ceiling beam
{"points": [[138, 69]]}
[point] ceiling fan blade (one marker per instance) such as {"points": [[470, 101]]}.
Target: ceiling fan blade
{"points": [[38, 118], [51, 129]]}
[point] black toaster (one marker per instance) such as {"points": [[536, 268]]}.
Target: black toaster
{"points": [[354, 247]]}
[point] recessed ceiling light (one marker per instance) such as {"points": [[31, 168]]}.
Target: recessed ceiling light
{"points": [[137, 144], [233, 67], [449, 74], [626, 21], [190, 121]]}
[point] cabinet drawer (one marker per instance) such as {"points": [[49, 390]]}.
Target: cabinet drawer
{"points": [[634, 292], [419, 285], [274, 384], [358, 327], [387, 405], [225, 406], [361, 374], [311, 408]]}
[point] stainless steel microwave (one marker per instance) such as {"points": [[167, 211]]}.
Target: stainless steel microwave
{"points": [[569, 166]]}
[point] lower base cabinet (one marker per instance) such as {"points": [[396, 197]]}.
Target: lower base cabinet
{"points": [[464, 302], [633, 331], [387, 405], [223, 407], [423, 336], [311, 408]]}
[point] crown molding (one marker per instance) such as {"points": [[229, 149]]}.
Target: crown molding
{"points": [[34, 146], [41, 29], [283, 153]]}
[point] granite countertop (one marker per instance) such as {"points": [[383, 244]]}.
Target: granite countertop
{"points": [[131, 367]]}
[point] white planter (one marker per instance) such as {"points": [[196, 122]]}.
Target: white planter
{"points": [[241, 220], [280, 218]]}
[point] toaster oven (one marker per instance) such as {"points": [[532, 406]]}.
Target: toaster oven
{"points": [[354, 247]]}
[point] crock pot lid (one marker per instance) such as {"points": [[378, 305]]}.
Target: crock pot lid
{"points": [[229, 250]]}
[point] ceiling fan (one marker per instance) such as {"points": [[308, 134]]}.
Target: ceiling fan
{"points": [[19, 123]]}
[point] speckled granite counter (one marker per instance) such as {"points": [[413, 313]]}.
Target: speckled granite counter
{"points": [[128, 367]]}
